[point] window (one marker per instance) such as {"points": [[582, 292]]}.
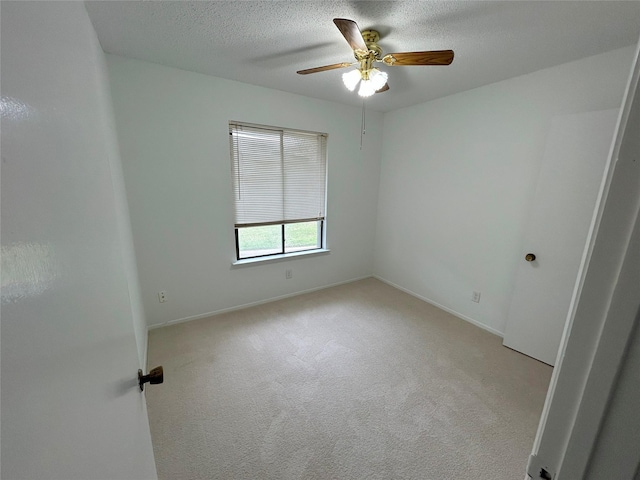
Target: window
{"points": [[279, 187]]}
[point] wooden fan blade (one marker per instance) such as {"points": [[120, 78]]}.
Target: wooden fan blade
{"points": [[351, 33], [384, 88], [433, 57], [325, 68]]}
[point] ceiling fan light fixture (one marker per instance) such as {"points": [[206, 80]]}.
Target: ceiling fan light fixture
{"points": [[351, 79], [373, 81]]}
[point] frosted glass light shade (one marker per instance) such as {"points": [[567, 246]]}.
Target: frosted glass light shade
{"points": [[376, 81], [351, 79], [377, 78], [366, 88]]}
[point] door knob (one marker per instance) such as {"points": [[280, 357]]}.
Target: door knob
{"points": [[154, 377], [530, 257]]}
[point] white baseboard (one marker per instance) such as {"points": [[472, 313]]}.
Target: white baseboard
{"points": [[442, 307], [251, 304], [302, 292]]}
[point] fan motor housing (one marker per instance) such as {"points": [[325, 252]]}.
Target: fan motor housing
{"points": [[371, 38]]}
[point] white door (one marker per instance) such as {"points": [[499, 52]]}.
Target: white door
{"points": [[71, 406], [574, 160]]}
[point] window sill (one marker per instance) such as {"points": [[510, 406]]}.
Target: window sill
{"points": [[278, 258]]}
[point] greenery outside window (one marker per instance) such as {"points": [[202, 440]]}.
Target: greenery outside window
{"points": [[279, 188]]}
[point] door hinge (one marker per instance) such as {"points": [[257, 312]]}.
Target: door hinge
{"points": [[538, 469]]}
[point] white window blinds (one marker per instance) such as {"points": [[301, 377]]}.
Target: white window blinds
{"points": [[279, 176]]}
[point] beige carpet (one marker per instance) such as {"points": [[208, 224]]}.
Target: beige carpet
{"points": [[359, 381]]}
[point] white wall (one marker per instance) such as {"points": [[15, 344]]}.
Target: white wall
{"points": [[173, 132], [71, 406], [458, 175], [123, 216]]}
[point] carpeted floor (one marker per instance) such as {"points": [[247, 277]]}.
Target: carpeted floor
{"points": [[359, 381]]}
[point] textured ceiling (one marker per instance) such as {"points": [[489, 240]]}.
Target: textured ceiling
{"points": [[266, 42]]}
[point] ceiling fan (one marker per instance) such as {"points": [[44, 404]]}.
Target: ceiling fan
{"points": [[367, 52]]}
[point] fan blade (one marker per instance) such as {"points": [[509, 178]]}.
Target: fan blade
{"points": [[384, 88], [351, 33], [325, 68], [434, 57]]}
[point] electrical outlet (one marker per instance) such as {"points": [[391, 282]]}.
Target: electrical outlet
{"points": [[162, 296], [288, 274], [475, 297]]}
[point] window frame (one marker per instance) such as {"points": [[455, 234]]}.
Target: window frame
{"points": [[320, 246]]}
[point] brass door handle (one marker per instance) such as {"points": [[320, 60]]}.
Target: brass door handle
{"points": [[530, 257], [154, 377]]}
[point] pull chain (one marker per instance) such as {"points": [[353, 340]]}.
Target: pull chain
{"points": [[363, 129]]}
